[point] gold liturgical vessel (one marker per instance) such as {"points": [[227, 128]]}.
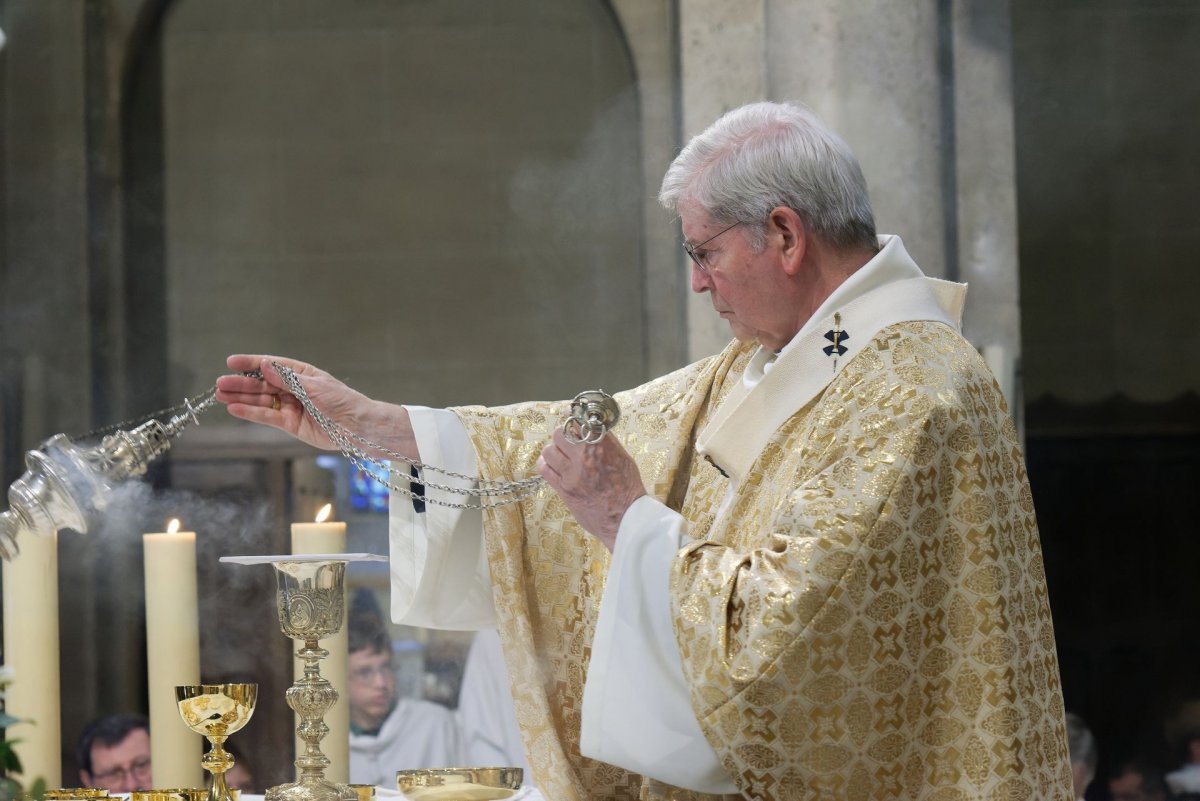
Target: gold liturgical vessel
{"points": [[459, 784], [310, 597], [217, 711]]}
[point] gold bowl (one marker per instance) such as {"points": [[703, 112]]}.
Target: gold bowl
{"points": [[459, 784], [173, 794]]}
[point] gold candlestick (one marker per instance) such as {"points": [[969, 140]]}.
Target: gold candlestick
{"points": [[217, 711], [311, 600]]}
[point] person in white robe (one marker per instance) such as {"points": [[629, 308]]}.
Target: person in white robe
{"points": [[490, 733], [389, 733]]}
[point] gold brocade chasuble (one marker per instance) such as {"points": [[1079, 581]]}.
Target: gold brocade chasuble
{"points": [[867, 619]]}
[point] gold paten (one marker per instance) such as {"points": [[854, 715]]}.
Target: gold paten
{"points": [[459, 784]]}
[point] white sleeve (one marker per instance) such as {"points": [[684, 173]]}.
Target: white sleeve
{"points": [[439, 569], [637, 713]]}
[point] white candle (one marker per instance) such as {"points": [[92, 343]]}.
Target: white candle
{"points": [[31, 650], [322, 537], [172, 654]]}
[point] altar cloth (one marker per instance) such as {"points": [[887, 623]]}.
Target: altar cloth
{"points": [[524, 794], [305, 557]]}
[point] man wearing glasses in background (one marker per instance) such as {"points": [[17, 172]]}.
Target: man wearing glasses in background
{"points": [[114, 754]]}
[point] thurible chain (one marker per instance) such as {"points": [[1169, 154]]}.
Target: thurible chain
{"points": [[345, 440]]}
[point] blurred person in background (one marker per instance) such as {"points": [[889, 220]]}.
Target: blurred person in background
{"points": [[1183, 732], [113, 753], [389, 733], [1137, 780], [485, 708], [241, 775], [1082, 745]]}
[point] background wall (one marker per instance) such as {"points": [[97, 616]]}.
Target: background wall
{"points": [[440, 200], [1106, 165], [1108, 212]]}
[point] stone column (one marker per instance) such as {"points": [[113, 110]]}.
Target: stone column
{"points": [[987, 190], [723, 59], [921, 93], [650, 30]]}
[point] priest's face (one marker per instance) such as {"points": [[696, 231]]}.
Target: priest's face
{"points": [[123, 767], [371, 687], [744, 285]]}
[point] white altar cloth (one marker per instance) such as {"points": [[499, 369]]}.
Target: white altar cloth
{"points": [[524, 794]]}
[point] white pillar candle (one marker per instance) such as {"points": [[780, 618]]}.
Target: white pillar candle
{"points": [[322, 537], [31, 650], [172, 654]]}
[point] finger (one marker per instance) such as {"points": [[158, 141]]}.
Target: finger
{"points": [[552, 460], [564, 445], [552, 476], [271, 374], [243, 362], [265, 364], [254, 413], [240, 385]]}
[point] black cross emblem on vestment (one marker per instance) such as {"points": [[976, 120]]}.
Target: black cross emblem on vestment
{"points": [[837, 337]]}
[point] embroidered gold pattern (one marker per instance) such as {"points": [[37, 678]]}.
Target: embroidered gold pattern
{"points": [[867, 621]]}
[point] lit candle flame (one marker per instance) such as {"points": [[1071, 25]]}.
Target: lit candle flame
{"points": [[173, 526], [323, 515]]}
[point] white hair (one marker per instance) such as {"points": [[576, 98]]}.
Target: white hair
{"points": [[1082, 746], [765, 155]]}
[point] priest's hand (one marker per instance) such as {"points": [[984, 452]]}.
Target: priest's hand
{"points": [[269, 402], [597, 482]]}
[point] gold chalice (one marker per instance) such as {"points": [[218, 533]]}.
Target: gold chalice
{"points": [[217, 711], [459, 784]]}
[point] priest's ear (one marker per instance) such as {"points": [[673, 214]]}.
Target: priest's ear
{"points": [[787, 234]]}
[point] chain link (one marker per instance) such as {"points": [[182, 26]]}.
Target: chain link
{"points": [[495, 493], [193, 405], [492, 493]]}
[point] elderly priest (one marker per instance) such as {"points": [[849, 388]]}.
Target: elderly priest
{"points": [[806, 567]]}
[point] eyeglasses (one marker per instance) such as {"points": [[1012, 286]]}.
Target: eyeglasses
{"points": [[702, 258], [364, 675], [139, 770]]}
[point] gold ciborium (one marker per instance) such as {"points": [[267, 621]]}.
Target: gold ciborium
{"points": [[459, 784], [217, 711], [310, 597]]}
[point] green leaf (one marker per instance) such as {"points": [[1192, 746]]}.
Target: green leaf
{"points": [[7, 720], [8, 757]]}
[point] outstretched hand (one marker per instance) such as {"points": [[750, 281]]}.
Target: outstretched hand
{"points": [[268, 401], [597, 482]]}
